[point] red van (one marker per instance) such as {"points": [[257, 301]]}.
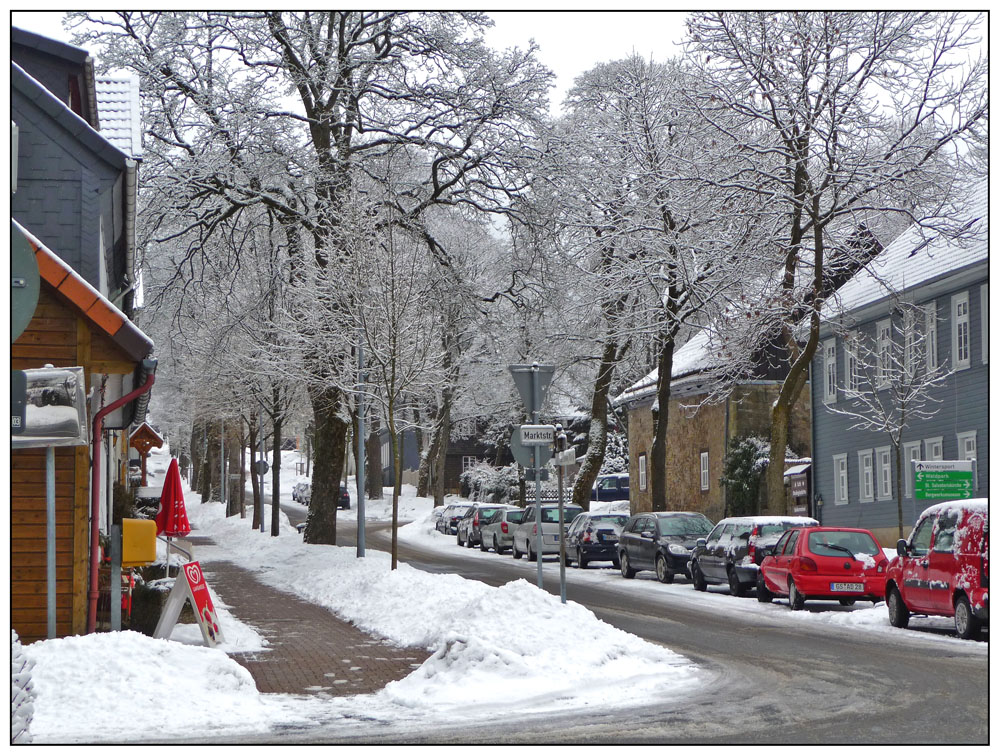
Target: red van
{"points": [[943, 569]]}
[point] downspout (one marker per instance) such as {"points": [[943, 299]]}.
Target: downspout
{"points": [[90, 82], [95, 487], [130, 202]]}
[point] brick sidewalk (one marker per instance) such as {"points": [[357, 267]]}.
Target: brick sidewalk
{"points": [[311, 650]]}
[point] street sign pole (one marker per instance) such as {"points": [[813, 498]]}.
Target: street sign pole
{"points": [[561, 445], [360, 472], [538, 478]]}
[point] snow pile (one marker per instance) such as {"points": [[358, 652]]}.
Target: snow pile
{"points": [[488, 644], [22, 693], [112, 685]]}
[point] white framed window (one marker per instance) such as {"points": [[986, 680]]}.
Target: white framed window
{"points": [[468, 463], [984, 316], [911, 452], [910, 337], [839, 478], [851, 361], [966, 445], [866, 479], [933, 449], [960, 340], [704, 471], [930, 328], [642, 472], [883, 338], [884, 460], [830, 371]]}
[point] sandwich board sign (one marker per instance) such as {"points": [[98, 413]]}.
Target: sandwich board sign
{"points": [[190, 584]]}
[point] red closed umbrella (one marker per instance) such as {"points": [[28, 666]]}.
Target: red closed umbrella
{"points": [[172, 520]]}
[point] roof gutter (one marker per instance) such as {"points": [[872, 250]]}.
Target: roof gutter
{"points": [[130, 203], [149, 365]]}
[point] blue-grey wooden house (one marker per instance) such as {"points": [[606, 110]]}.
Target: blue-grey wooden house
{"points": [[943, 285]]}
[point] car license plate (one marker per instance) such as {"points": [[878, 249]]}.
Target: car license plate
{"points": [[856, 587]]}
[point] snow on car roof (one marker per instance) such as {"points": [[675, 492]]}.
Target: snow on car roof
{"points": [[772, 519], [982, 505]]}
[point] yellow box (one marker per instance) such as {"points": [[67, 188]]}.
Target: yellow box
{"points": [[138, 542]]}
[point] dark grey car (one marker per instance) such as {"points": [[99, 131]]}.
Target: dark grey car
{"points": [[731, 554], [660, 541]]}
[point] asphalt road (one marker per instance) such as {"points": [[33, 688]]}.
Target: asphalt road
{"points": [[765, 682]]}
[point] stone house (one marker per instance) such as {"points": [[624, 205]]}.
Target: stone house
{"points": [[699, 434]]}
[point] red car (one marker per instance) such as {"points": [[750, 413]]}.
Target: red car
{"points": [[842, 564], [944, 568]]}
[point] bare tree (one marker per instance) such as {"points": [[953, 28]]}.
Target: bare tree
{"points": [[845, 123], [226, 136], [890, 382]]}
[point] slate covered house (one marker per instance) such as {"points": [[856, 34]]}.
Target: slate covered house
{"points": [[699, 439], [854, 470], [73, 204]]}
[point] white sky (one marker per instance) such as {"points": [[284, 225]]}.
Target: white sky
{"points": [[570, 42]]}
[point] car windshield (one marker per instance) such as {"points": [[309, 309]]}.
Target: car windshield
{"points": [[683, 525], [460, 511], [484, 513], [610, 519], [833, 543], [515, 515], [552, 515], [770, 530]]}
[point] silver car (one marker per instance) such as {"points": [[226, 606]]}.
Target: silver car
{"points": [[497, 532], [526, 538]]}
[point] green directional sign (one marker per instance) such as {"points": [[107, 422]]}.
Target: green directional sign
{"points": [[946, 479]]}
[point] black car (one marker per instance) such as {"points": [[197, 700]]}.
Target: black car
{"points": [[660, 541], [593, 537], [345, 498], [448, 524], [612, 487]]}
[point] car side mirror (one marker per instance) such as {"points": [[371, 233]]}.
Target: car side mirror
{"points": [[700, 543], [902, 548], [648, 534]]}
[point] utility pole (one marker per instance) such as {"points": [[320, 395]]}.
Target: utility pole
{"points": [[360, 477]]}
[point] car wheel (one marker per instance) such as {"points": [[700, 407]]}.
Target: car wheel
{"points": [[735, 586], [581, 560], [514, 552], [458, 539], [496, 546], [899, 615], [697, 578], [764, 595], [795, 599], [468, 543], [626, 568], [967, 625], [663, 573], [847, 602], [531, 554], [482, 544]]}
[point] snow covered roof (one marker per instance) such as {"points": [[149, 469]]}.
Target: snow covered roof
{"points": [[118, 106], [981, 505], [914, 258], [798, 469], [695, 356]]}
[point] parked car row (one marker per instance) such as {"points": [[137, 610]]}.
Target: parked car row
{"points": [[302, 493], [942, 569]]}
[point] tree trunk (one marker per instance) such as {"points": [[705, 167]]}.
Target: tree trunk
{"points": [[428, 457], [330, 437], [899, 488], [775, 473], [397, 478], [254, 478], [441, 457], [373, 472], [277, 421], [661, 413], [243, 474], [598, 436]]}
